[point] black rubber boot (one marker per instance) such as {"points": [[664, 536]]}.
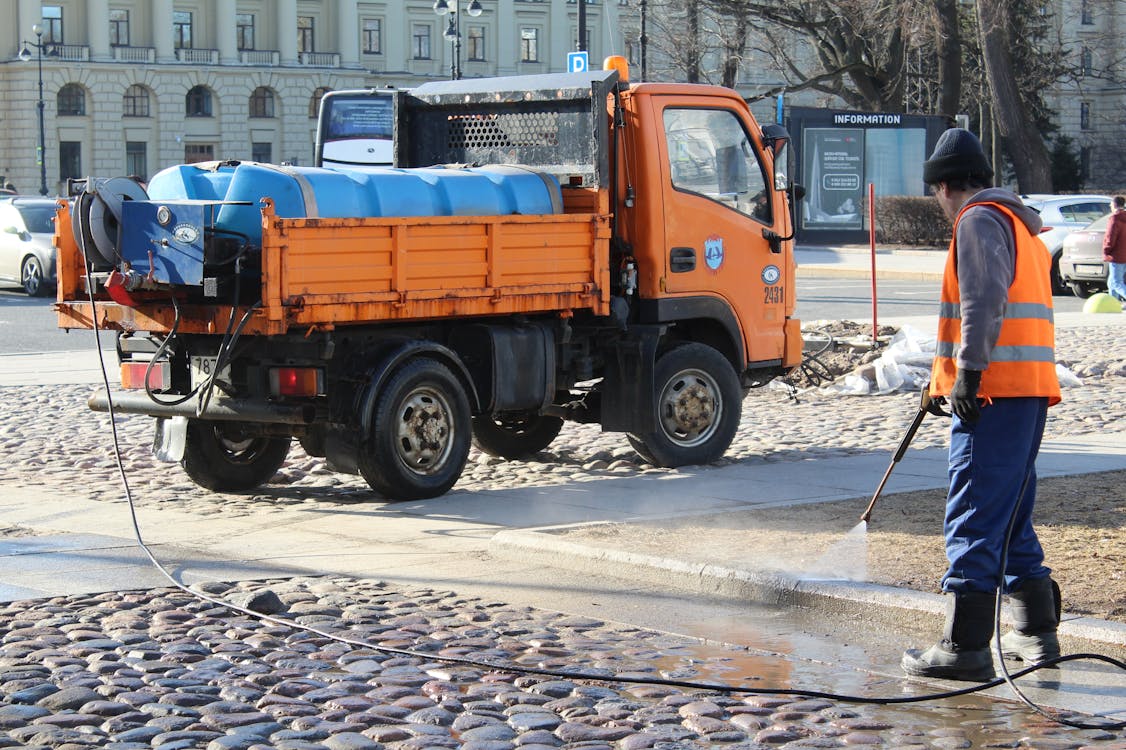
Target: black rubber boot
{"points": [[963, 653], [1035, 607]]}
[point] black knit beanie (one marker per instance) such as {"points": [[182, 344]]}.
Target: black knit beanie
{"points": [[958, 154]]}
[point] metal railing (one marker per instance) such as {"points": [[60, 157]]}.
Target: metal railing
{"points": [[69, 52]]}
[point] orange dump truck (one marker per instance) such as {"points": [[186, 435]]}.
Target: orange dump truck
{"points": [[548, 248]]}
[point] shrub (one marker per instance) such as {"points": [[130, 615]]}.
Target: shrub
{"points": [[911, 220]]}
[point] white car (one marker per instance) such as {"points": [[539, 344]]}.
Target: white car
{"points": [[27, 243], [1062, 215]]}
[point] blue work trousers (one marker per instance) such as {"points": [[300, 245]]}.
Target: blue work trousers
{"points": [[992, 468]]}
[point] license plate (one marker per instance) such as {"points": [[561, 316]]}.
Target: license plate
{"points": [[1091, 269], [203, 367]]}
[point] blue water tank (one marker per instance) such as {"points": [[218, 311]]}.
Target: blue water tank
{"points": [[300, 192]]}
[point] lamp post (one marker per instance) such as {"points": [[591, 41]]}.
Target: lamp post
{"points": [[643, 41], [453, 30], [25, 55]]}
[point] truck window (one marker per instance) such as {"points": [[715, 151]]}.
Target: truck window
{"points": [[711, 155]]}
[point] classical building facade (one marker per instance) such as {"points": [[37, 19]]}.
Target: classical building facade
{"points": [[133, 86]]}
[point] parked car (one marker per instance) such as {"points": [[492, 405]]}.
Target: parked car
{"points": [[27, 247], [1062, 215], [1081, 263]]}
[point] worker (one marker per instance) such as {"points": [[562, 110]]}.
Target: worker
{"points": [[995, 366]]}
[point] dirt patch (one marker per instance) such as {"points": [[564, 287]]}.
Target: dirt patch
{"points": [[1081, 522]]}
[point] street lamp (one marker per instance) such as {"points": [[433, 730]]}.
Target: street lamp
{"points": [[25, 55], [453, 30]]}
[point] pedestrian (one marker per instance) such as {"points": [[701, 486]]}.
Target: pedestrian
{"points": [[10, 189], [1114, 251], [995, 367]]}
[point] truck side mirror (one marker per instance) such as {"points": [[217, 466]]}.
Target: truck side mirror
{"points": [[775, 137]]}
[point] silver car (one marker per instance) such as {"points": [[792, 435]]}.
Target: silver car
{"points": [[1062, 215], [1081, 264], [27, 243]]}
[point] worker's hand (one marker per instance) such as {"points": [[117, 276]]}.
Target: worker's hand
{"points": [[963, 396]]}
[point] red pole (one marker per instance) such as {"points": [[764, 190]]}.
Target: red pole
{"points": [[872, 240]]}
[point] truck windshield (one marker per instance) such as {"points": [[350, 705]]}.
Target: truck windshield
{"points": [[710, 154]]}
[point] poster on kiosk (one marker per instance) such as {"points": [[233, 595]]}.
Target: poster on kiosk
{"points": [[834, 174]]}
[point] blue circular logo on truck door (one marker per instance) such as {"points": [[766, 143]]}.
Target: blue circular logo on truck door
{"points": [[771, 274]]}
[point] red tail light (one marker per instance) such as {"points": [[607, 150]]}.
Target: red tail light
{"points": [[1045, 229], [296, 381], [133, 375]]}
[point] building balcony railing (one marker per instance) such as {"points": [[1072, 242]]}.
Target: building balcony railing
{"points": [[259, 56], [69, 52], [319, 59], [198, 56], [134, 54]]}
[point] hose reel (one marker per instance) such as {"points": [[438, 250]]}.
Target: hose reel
{"points": [[97, 219]]}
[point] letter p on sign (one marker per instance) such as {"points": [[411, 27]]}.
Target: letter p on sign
{"points": [[577, 62]]}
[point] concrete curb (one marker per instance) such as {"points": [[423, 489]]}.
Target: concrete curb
{"points": [[869, 602], [822, 270]]}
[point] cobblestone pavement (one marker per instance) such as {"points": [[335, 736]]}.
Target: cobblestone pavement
{"points": [[159, 669]]}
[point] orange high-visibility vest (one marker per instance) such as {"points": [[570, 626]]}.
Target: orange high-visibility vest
{"points": [[1023, 361]]}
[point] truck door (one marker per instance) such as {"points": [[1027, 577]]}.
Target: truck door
{"points": [[718, 199]]}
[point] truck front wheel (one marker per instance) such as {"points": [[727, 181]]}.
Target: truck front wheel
{"points": [[420, 433], [698, 405], [223, 457], [515, 435]]}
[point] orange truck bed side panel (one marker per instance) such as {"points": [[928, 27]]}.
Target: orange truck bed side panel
{"points": [[332, 272]]}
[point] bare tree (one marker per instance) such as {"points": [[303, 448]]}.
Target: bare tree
{"points": [[1015, 119]]}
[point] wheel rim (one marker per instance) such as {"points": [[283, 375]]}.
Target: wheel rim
{"points": [[425, 431], [690, 407], [32, 276], [239, 449]]}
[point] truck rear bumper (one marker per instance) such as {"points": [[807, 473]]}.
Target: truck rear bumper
{"points": [[220, 408]]}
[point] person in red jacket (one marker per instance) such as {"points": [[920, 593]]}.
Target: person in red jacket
{"points": [[1114, 251]]}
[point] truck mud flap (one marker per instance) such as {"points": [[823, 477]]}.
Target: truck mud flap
{"points": [[628, 388]]}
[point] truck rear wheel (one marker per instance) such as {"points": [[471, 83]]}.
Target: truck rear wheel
{"points": [[420, 433], [698, 405], [221, 456], [515, 435]]}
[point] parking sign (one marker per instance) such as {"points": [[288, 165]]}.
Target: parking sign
{"points": [[577, 62]]}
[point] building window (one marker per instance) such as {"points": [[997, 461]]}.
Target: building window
{"points": [[70, 160], [372, 41], [118, 28], [198, 102], [1084, 115], [194, 153], [420, 41], [631, 52], [136, 159], [529, 45], [1086, 62], [305, 41], [52, 24], [135, 103], [262, 102], [315, 100], [262, 151], [245, 30], [1085, 16], [1085, 163], [71, 100], [182, 29], [476, 43]]}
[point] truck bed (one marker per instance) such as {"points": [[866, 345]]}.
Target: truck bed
{"points": [[319, 274]]}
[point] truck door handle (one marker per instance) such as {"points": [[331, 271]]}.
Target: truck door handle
{"points": [[682, 259]]}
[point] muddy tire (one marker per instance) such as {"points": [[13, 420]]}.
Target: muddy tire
{"points": [[220, 456], [698, 408], [515, 436], [420, 433]]}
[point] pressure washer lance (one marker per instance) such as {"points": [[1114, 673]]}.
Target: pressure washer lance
{"points": [[926, 405]]}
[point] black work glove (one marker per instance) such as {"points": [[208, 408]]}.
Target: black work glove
{"points": [[963, 396]]}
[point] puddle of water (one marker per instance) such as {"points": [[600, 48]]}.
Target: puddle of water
{"points": [[846, 560]]}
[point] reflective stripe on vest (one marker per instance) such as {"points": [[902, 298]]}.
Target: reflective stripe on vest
{"points": [[1022, 361]]}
